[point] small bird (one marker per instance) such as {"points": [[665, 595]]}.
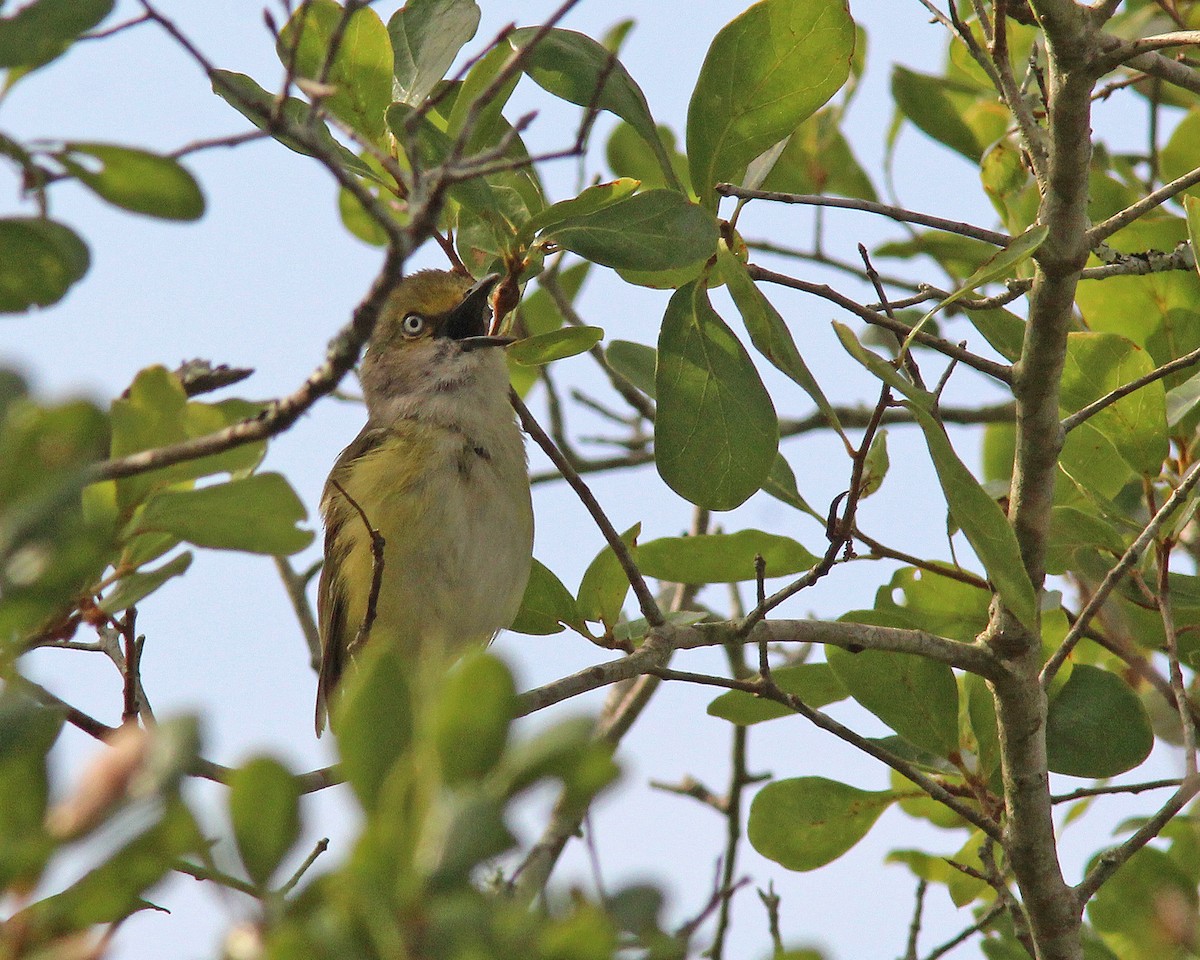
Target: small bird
{"points": [[439, 471]]}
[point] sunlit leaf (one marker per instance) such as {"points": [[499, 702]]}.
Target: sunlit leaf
{"points": [[360, 74], [658, 230], [547, 605], [426, 36], [604, 586], [766, 71], [556, 345]]}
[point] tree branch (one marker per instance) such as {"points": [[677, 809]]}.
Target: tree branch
{"points": [[899, 214]]}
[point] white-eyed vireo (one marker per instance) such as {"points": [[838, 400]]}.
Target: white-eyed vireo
{"points": [[439, 471]]}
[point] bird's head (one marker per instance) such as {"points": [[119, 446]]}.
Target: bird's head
{"points": [[432, 335]]}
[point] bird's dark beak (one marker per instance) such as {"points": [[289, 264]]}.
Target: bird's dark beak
{"points": [[468, 322]]}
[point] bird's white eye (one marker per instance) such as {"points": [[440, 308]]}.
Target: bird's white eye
{"points": [[413, 325]]}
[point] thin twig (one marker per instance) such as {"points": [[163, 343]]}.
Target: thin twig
{"points": [[870, 206], [321, 846], [645, 598], [1079, 416], [981, 924], [1106, 228], [1084, 792]]}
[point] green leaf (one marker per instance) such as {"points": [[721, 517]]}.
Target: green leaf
{"points": [[547, 605], [807, 822], [431, 147], [629, 155], [264, 808], [1182, 400], [1191, 206], [996, 267], [814, 683], [958, 256], [1181, 153], [257, 514], [1136, 425], [476, 832], [155, 412], [573, 67], [361, 71], [977, 514], [781, 484], [594, 198], [1128, 909], [44, 29], [1004, 331], [915, 696], [875, 466], [927, 102], [604, 586], [1071, 529], [51, 549], [981, 713], [258, 106], [818, 159], [115, 889], [373, 719], [27, 732], [769, 332], [657, 230], [135, 180], [537, 313], [766, 72], [716, 436], [635, 362], [722, 557], [477, 704], [133, 587], [556, 345], [1157, 311], [40, 260], [927, 600], [1096, 726], [426, 36]]}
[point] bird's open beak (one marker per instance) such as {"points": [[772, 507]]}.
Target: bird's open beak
{"points": [[469, 321]]}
